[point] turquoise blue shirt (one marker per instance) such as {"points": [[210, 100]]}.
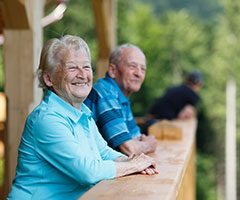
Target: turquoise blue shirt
{"points": [[61, 154]]}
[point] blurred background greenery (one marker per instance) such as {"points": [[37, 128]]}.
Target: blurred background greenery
{"points": [[1, 70], [176, 36]]}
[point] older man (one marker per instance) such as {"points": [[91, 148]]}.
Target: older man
{"points": [[109, 101]]}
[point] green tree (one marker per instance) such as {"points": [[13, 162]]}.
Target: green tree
{"points": [[206, 187], [78, 20], [173, 43], [1, 71], [226, 61], [206, 10]]}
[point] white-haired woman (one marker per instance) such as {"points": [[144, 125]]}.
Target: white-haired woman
{"points": [[62, 154]]}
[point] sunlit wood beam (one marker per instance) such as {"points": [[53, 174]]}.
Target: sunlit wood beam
{"points": [[105, 20]]}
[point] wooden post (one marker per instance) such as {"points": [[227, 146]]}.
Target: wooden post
{"points": [[18, 88], [105, 18], [23, 40], [231, 175]]}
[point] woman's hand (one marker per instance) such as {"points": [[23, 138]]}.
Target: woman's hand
{"points": [[137, 163]]}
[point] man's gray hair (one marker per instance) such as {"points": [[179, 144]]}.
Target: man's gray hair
{"points": [[116, 55], [53, 51]]}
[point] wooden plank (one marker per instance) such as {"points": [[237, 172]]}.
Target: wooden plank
{"points": [[174, 160]]}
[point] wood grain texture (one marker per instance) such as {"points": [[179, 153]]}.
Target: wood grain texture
{"points": [[176, 180], [105, 20], [165, 130]]}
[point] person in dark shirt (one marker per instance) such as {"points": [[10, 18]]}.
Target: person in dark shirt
{"points": [[178, 102]]}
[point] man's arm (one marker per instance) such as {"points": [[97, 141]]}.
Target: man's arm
{"points": [[114, 128], [144, 144], [187, 112]]}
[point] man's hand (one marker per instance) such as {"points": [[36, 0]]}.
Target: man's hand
{"points": [[143, 144], [187, 112], [150, 143]]}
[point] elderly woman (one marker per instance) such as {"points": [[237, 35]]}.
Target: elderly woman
{"points": [[62, 154]]}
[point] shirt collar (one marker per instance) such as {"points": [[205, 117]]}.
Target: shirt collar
{"points": [[65, 108], [122, 97]]}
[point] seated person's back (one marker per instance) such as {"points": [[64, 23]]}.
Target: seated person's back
{"points": [[175, 98], [178, 100]]}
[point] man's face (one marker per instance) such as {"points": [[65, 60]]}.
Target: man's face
{"points": [[130, 72], [73, 80]]}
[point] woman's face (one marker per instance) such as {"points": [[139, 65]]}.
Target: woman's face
{"points": [[73, 80]]}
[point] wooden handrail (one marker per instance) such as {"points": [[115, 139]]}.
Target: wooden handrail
{"points": [[176, 180]]}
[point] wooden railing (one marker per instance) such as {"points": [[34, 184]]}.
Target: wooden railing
{"points": [[176, 180]]}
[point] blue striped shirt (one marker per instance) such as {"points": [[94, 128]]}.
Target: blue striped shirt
{"points": [[112, 112]]}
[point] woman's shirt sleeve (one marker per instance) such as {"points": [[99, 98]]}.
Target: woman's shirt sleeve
{"points": [[56, 144], [106, 152]]}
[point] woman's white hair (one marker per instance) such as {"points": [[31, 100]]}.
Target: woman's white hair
{"points": [[53, 51]]}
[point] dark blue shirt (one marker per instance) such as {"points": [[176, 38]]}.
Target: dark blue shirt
{"points": [[173, 101]]}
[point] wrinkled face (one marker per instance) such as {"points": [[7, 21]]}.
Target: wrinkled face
{"points": [[130, 72], [72, 80]]}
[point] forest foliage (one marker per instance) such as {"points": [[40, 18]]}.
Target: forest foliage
{"points": [[176, 36]]}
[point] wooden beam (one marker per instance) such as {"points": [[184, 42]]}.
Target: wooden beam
{"points": [[18, 87], [105, 19], [14, 14]]}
